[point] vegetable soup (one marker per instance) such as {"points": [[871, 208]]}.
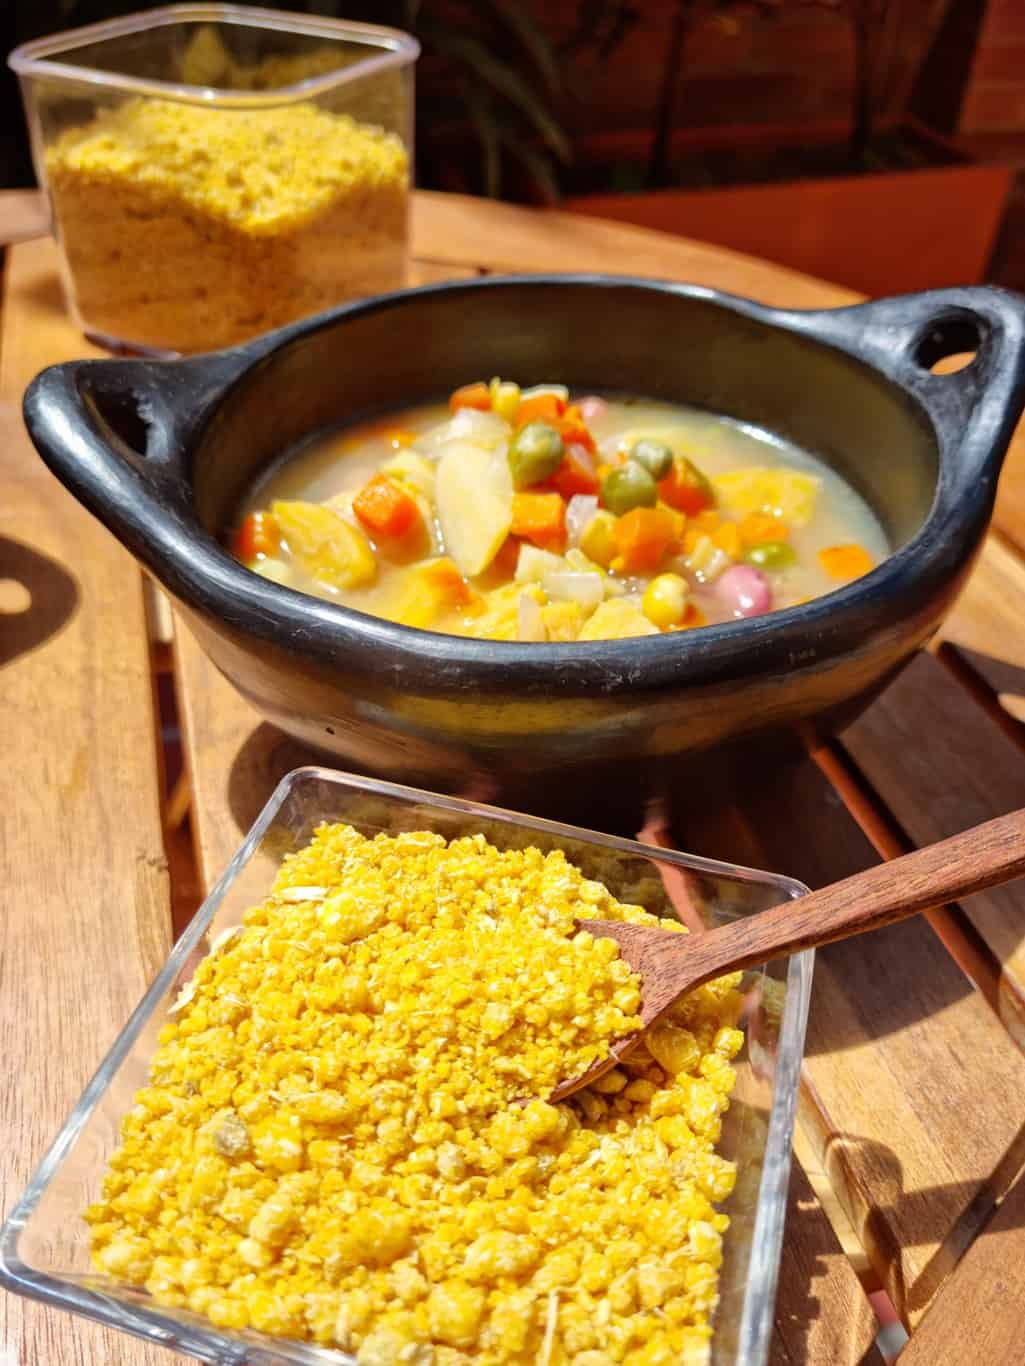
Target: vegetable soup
{"points": [[538, 515]]}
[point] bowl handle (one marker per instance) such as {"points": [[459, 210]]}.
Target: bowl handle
{"points": [[117, 433], [974, 409]]}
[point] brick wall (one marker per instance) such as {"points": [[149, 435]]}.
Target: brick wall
{"points": [[995, 101]]}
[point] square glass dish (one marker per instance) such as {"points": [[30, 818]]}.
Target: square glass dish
{"points": [[215, 171], [44, 1246]]}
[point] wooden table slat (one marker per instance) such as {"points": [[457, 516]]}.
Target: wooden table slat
{"points": [[986, 629], [897, 1042], [86, 921], [456, 230], [940, 763], [822, 1313], [977, 1316]]}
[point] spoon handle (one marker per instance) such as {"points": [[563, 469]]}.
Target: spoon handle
{"points": [[981, 857]]}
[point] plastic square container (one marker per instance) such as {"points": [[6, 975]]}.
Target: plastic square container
{"points": [[44, 1246], [216, 171]]}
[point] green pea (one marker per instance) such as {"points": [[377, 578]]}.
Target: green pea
{"points": [[655, 456], [628, 486], [534, 453], [771, 555]]}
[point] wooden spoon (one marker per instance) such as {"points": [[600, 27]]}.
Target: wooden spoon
{"points": [[670, 964]]}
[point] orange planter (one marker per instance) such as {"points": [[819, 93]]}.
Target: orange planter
{"points": [[882, 233]]}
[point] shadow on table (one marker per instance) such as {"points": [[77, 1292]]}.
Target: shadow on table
{"points": [[44, 293], [962, 1208], [37, 599], [787, 817], [1005, 679], [261, 762], [811, 1326]]}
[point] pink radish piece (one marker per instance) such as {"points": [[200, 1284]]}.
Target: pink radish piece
{"points": [[591, 407], [744, 591]]}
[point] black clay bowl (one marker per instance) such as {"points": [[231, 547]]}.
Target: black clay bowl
{"points": [[161, 452]]}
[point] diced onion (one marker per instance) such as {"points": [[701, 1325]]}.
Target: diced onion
{"points": [[533, 564], [529, 621], [559, 390], [570, 586], [576, 559], [275, 570], [579, 511], [486, 430]]}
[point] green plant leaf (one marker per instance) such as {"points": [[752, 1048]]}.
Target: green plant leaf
{"points": [[486, 130], [537, 163], [411, 13], [476, 60], [534, 40]]}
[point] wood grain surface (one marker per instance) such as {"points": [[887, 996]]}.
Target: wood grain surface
{"points": [[823, 1318], [912, 1087], [23, 215], [894, 1025], [939, 761], [85, 922], [977, 1315]]}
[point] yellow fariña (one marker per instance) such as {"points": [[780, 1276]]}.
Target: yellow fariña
{"points": [[190, 227], [330, 1149]]}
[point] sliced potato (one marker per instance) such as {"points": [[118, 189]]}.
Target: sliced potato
{"points": [[533, 563], [474, 496], [487, 430], [334, 552]]}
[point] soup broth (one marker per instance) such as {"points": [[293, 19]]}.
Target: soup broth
{"points": [[535, 515]]}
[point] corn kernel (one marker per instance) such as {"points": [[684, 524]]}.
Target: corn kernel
{"points": [[505, 398], [665, 600], [342, 1161], [597, 541], [455, 1310]]}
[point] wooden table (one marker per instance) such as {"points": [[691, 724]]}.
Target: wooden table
{"points": [[912, 1129]]}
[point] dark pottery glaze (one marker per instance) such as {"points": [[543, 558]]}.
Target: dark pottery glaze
{"points": [[162, 452]]}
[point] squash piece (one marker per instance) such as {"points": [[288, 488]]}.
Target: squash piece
{"points": [[785, 493], [615, 619], [500, 619], [563, 620], [473, 492], [329, 548], [431, 589]]}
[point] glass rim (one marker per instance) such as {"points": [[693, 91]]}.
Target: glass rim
{"points": [[37, 57], [197, 1338]]}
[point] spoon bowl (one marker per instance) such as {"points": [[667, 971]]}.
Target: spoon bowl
{"points": [[671, 962]]}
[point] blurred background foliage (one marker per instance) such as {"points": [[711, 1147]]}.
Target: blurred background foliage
{"points": [[508, 90]]}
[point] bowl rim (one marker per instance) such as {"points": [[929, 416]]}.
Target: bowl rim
{"points": [[969, 423]]}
